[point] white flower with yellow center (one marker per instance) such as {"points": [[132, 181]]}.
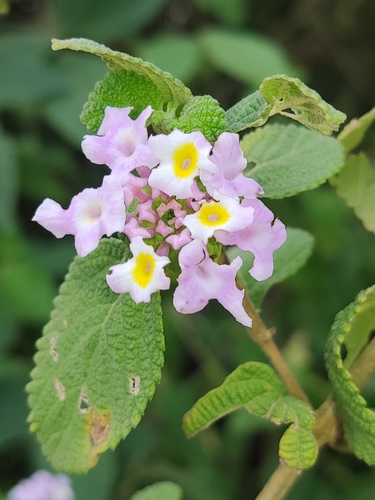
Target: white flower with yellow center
{"points": [[141, 275], [181, 156], [226, 214]]}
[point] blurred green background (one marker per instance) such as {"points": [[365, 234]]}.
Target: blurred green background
{"points": [[223, 48]]}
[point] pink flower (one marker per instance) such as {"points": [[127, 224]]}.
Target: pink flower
{"points": [[121, 143], [229, 179], [262, 237], [92, 214], [43, 486], [201, 280]]}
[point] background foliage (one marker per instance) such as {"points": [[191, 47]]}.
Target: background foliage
{"points": [[204, 43]]}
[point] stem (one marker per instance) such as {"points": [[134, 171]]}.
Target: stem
{"points": [[263, 337], [325, 430], [279, 483]]}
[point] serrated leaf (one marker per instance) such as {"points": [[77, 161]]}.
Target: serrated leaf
{"points": [[292, 98], [290, 159], [256, 387], [288, 259], [298, 448], [96, 366], [352, 134], [352, 328], [120, 89], [355, 183], [252, 111], [147, 83], [201, 113], [164, 490]]}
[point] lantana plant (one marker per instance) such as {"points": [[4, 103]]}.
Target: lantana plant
{"points": [[181, 207]]}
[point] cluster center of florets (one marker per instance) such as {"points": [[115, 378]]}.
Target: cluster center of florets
{"points": [[178, 199]]}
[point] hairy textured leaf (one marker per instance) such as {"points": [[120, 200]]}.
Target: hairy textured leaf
{"points": [[164, 490], [252, 111], [290, 159], [120, 89], [148, 84], [288, 259], [96, 366], [352, 329], [352, 134], [201, 113], [355, 183], [292, 98], [256, 387]]}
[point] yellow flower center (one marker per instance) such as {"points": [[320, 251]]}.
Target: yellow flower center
{"points": [[144, 269], [213, 214], [93, 213], [185, 160]]}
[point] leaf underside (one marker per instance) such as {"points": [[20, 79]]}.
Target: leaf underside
{"points": [[257, 388], [352, 329]]}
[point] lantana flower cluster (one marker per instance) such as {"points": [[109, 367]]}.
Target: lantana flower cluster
{"points": [[179, 200]]}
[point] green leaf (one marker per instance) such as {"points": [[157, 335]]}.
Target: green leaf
{"points": [[97, 364], [142, 82], [201, 113], [20, 298], [63, 112], [256, 387], [290, 159], [230, 13], [120, 89], [353, 133], [292, 98], [298, 448], [246, 56], [8, 182], [252, 111], [26, 78], [164, 490], [105, 20], [352, 328], [355, 183], [288, 259]]}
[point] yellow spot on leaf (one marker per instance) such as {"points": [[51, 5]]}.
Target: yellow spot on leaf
{"points": [[98, 423]]}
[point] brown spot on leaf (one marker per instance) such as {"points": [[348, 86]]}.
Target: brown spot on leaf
{"points": [[99, 424]]}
